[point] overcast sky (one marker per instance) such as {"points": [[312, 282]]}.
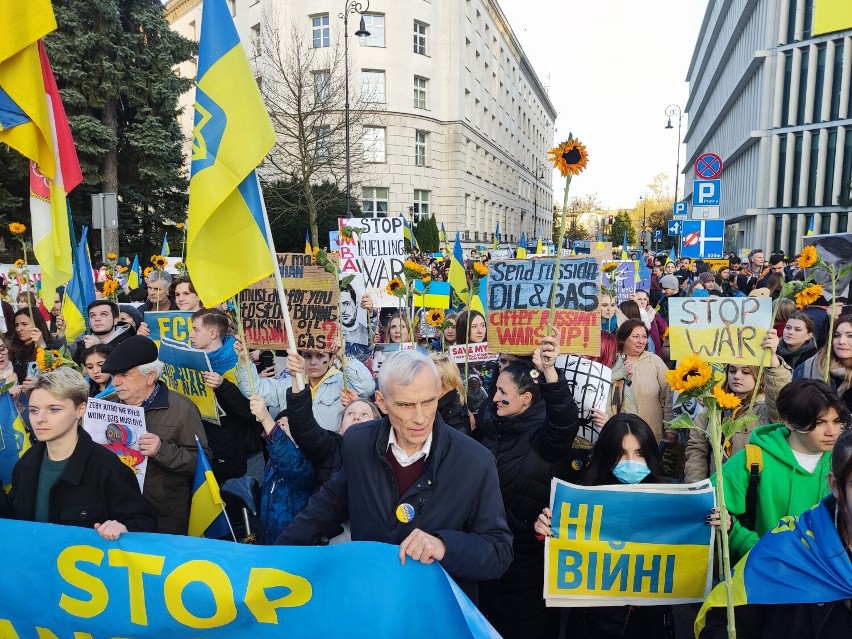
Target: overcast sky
{"points": [[612, 68]]}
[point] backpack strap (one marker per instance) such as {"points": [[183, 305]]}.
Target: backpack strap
{"points": [[754, 464]]}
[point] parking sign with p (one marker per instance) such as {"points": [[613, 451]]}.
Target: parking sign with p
{"points": [[706, 192]]}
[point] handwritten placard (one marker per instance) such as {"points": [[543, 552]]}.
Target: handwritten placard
{"points": [[376, 251], [117, 427], [312, 296], [475, 353], [518, 297], [623, 279], [724, 330]]}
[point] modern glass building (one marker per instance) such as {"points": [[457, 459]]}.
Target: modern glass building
{"points": [[770, 94]]}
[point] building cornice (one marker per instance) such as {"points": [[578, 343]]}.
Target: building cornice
{"points": [[175, 9]]}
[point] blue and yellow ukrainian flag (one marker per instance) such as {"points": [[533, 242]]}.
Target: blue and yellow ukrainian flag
{"points": [[539, 247], [408, 233], [522, 247], [308, 248], [134, 276], [437, 295], [13, 436], [442, 239], [803, 560], [810, 227], [80, 291], [165, 250], [207, 512], [496, 244], [457, 276], [672, 257], [227, 246], [624, 255]]}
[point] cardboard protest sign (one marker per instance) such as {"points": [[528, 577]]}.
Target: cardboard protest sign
{"points": [[174, 325], [637, 544], [377, 252], [623, 278], [182, 374], [723, 330], [382, 351], [589, 383], [715, 265], [518, 296], [117, 427], [475, 353], [312, 296]]}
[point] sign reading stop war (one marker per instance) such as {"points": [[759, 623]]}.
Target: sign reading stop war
{"points": [[519, 305], [724, 330], [312, 295]]}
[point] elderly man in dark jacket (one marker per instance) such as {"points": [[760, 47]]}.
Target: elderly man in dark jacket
{"points": [[173, 423], [409, 479]]}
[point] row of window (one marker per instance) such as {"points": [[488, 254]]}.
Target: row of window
{"points": [[830, 93], [374, 202], [374, 145], [375, 25], [372, 87], [812, 183]]}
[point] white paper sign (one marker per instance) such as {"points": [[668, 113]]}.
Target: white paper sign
{"points": [[589, 382], [377, 253], [117, 427], [476, 353]]}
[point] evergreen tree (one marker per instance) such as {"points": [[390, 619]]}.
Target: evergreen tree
{"points": [[621, 223], [114, 63], [288, 207], [428, 237]]}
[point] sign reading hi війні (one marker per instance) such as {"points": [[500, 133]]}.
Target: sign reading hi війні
{"points": [[518, 297]]}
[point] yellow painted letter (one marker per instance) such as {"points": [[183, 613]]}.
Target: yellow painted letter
{"points": [[213, 577], [66, 563], [262, 578], [137, 564]]}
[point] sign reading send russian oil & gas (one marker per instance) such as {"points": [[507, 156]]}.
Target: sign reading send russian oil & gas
{"points": [[724, 330], [519, 305], [638, 544]]}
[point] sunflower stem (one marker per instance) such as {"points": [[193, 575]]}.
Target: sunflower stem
{"points": [[552, 317], [241, 333], [830, 341], [756, 388], [715, 422]]}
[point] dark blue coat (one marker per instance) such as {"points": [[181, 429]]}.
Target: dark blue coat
{"points": [[457, 498]]}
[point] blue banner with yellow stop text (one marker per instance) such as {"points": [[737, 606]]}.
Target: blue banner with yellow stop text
{"points": [[176, 325], [148, 585], [638, 544]]}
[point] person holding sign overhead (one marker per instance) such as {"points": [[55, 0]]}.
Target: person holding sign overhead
{"points": [[529, 428], [324, 379]]}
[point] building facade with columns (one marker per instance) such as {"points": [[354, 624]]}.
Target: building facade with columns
{"points": [[466, 123], [770, 94]]}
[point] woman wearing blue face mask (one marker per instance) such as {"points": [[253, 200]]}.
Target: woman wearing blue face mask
{"points": [[626, 453]]}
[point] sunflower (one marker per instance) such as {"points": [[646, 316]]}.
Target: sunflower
{"points": [[180, 226], [112, 256], [110, 287], [609, 267], [159, 261], [314, 252], [808, 296], [16, 228], [480, 269], [435, 317], [414, 268], [19, 263], [426, 279], [665, 334], [691, 373], [147, 272], [808, 257], [725, 400], [39, 358], [395, 286], [569, 157]]}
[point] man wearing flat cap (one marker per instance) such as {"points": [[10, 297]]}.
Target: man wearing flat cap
{"points": [[173, 422]]}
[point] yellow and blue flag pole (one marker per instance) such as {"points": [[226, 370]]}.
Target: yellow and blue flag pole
{"points": [[408, 233], [810, 227], [457, 276], [80, 291], [207, 517], [442, 239], [165, 249], [496, 244], [308, 248], [522, 247], [134, 276]]}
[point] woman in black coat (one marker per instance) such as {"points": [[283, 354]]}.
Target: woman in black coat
{"points": [[529, 428], [66, 478]]}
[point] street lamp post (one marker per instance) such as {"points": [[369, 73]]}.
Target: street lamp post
{"points": [[352, 6], [674, 111]]}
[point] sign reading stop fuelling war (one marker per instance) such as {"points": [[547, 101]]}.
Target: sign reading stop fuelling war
{"points": [[376, 251], [518, 297]]}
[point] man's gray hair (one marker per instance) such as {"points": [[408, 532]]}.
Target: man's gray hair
{"points": [[159, 276], [156, 366], [401, 367]]}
